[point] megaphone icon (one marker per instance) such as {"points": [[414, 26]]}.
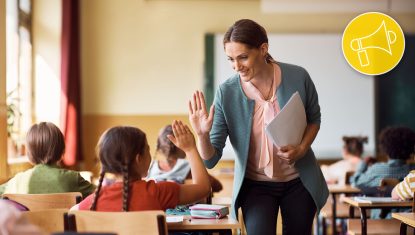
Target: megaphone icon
{"points": [[380, 39]]}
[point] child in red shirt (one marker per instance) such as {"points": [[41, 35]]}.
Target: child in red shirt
{"points": [[124, 152]]}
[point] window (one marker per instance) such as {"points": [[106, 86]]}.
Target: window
{"points": [[19, 77]]}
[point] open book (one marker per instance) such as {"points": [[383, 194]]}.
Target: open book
{"points": [[375, 199], [289, 124]]}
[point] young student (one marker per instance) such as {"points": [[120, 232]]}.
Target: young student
{"points": [[124, 152], [398, 144], [352, 153], [45, 147], [405, 189], [171, 165]]}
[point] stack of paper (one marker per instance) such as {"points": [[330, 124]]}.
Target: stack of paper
{"points": [[174, 218], [208, 211], [287, 127], [375, 199]]}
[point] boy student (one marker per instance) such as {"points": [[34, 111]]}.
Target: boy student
{"points": [[45, 147], [398, 144]]}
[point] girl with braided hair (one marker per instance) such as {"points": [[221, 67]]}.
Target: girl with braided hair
{"points": [[124, 152]]}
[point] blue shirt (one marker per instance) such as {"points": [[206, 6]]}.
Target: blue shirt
{"points": [[371, 176]]}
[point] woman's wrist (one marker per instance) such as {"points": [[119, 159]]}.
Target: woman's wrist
{"points": [[203, 135], [302, 150]]}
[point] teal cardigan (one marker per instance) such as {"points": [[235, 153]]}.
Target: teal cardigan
{"points": [[233, 118]]}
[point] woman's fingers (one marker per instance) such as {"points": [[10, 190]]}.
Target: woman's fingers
{"points": [[211, 113], [190, 108], [198, 100], [194, 103], [202, 101]]}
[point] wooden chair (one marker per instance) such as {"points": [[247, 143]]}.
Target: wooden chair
{"points": [[48, 220], [347, 177], [46, 201], [121, 223]]}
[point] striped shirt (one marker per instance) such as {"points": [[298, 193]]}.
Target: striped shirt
{"points": [[406, 188]]}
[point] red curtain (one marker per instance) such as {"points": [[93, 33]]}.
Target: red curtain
{"points": [[71, 82]]}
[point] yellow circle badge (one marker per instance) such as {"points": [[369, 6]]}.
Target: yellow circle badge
{"points": [[373, 43]]}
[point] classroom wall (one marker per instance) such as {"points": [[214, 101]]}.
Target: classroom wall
{"points": [[142, 59]]}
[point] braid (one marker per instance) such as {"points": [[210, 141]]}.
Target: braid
{"points": [[94, 203], [126, 183]]}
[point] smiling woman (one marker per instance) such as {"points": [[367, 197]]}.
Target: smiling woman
{"points": [[336, 83], [243, 104]]}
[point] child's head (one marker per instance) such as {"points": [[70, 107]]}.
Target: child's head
{"points": [[45, 143], [353, 145], [397, 142], [165, 146], [123, 151]]}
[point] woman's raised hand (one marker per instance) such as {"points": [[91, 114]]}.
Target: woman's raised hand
{"points": [[183, 137], [199, 118]]}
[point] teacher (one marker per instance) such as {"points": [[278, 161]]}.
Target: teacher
{"points": [[267, 177]]}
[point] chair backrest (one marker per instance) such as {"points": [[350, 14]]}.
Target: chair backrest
{"points": [[121, 223], [386, 185], [48, 220], [347, 176], [388, 182], [46, 201]]}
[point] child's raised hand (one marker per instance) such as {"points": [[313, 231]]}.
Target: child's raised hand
{"points": [[183, 137]]}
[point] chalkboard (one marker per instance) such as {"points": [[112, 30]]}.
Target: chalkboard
{"points": [[395, 103], [346, 97]]}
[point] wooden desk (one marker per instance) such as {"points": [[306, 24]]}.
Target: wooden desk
{"points": [[335, 190], [363, 206], [223, 226], [406, 219]]}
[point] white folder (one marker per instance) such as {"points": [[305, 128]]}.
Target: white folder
{"points": [[287, 127]]}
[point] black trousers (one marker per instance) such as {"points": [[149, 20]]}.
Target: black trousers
{"points": [[260, 201]]}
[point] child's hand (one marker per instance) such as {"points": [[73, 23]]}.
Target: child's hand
{"points": [[183, 137]]}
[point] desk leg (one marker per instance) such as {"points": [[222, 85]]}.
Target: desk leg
{"points": [[351, 212], [363, 220], [333, 214], [403, 229]]}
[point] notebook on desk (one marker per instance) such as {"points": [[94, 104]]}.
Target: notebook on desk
{"points": [[208, 211], [375, 199]]}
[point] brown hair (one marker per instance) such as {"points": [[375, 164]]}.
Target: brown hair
{"points": [[117, 149], [354, 144], [249, 33], [164, 145], [45, 143]]}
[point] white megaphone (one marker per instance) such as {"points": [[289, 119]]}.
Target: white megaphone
{"points": [[380, 39]]}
